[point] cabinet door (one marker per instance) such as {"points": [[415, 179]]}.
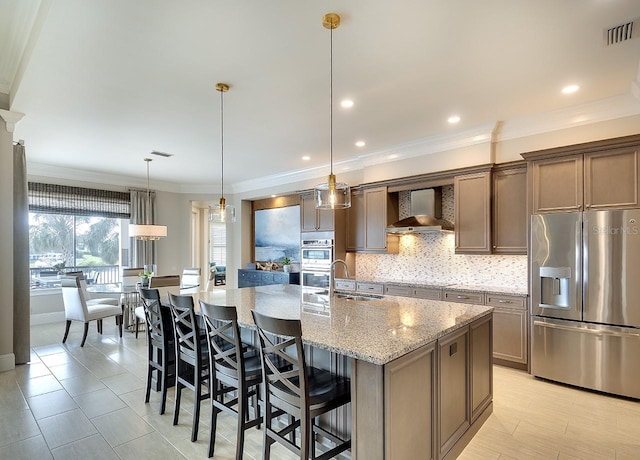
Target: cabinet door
{"points": [[473, 213], [510, 335], [308, 214], [611, 179], [376, 216], [480, 347], [325, 219], [453, 378], [557, 184], [510, 218], [356, 222]]}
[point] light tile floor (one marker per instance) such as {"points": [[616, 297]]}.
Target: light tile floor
{"points": [[79, 403]]}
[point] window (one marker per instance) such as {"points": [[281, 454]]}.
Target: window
{"points": [[218, 243], [75, 229]]}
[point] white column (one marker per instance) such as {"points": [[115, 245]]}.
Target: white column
{"points": [[9, 119]]}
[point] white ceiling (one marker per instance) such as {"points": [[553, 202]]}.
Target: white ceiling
{"points": [[104, 82]]}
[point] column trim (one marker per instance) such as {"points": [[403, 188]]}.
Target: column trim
{"points": [[10, 118]]}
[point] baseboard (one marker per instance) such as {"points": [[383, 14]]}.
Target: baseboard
{"points": [[47, 318], [7, 362]]}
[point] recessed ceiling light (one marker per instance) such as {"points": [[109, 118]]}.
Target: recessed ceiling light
{"points": [[346, 103], [453, 119], [570, 89], [393, 156], [360, 144], [273, 196], [306, 158]]}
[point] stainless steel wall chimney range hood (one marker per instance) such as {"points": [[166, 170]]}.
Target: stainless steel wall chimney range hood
{"points": [[426, 214]]}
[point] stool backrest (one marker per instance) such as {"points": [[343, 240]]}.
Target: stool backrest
{"points": [[223, 340], [185, 327], [156, 327], [281, 340]]}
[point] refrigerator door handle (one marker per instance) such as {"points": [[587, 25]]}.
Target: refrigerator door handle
{"points": [[586, 330]]}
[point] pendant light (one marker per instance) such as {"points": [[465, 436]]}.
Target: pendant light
{"points": [[222, 212], [332, 194], [148, 231]]}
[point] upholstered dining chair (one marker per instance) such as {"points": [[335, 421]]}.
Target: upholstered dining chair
{"points": [[191, 278], [78, 308], [302, 391], [192, 357]]}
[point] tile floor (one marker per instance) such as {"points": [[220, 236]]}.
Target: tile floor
{"points": [[79, 403]]}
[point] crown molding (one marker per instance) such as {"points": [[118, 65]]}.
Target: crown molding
{"points": [[623, 105]]}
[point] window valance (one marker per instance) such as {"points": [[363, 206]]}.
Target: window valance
{"points": [[79, 201]]}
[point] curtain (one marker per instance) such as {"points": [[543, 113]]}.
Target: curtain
{"points": [[21, 296], [143, 211]]}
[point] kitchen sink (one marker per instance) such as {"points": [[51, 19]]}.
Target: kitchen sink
{"points": [[357, 297]]}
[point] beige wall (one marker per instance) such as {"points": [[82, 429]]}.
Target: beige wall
{"points": [[7, 360]]}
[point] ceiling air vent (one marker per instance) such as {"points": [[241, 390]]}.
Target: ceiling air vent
{"points": [[161, 154], [621, 33]]}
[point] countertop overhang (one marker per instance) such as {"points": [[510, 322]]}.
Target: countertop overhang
{"points": [[377, 330]]}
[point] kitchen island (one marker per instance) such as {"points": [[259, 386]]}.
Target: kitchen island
{"points": [[420, 370]]}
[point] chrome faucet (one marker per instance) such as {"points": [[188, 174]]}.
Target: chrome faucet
{"points": [[332, 273]]}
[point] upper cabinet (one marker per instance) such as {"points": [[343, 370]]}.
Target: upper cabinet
{"points": [[510, 219], [557, 184], [312, 219], [473, 213], [597, 175], [371, 211], [611, 179]]}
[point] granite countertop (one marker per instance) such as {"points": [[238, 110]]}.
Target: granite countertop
{"points": [[497, 290], [377, 331]]}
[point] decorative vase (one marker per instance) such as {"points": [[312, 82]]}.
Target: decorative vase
{"points": [[286, 268]]}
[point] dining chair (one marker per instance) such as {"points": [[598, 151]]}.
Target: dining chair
{"points": [[304, 392], [231, 370], [160, 345], [78, 308], [192, 357], [155, 282], [190, 278]]}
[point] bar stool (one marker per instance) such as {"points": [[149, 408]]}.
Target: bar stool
{"points": [[230, 371], [192, 357], [302, 392], [159, 343]]}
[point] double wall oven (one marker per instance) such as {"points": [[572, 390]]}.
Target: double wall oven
{"points": [[315, 262]]}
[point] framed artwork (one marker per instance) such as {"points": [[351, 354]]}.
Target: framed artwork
{"points": [[277, 234]]}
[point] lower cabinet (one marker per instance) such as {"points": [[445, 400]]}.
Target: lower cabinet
{"points": [[510, 330], [453, 389], [253, 278]]}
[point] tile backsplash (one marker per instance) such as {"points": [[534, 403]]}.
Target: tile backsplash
{"points": [[430, 258]]}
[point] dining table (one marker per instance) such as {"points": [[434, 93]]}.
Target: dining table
{"points": [[129, 299]]}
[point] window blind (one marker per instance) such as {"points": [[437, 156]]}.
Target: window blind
{"points": [[79, 201]]}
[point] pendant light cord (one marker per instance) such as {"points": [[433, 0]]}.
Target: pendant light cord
{"points": [[222, 144], [147, 160], [331, 103]]}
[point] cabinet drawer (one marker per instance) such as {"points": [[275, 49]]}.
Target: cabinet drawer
{"points": [[344, 285], [463, 297], [427, 293], [370, 288], [404, 291], [281, 278], [506, 301]]}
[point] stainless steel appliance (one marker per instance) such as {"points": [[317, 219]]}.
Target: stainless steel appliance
{"points": [[585, 299], [315, 262]]}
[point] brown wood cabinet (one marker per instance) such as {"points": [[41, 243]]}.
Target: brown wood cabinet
{"points": [[312, 219], [611, 179], [371, 211], [510, 217], [510, 330], [598, 175], [453, 395], [473, 213], [480, 346]]}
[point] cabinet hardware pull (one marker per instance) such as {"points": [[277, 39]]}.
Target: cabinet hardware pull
{"points": [[504, 301], [462, 297]]}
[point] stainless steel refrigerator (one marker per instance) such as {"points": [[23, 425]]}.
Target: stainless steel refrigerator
{"points": [[585, 299]]}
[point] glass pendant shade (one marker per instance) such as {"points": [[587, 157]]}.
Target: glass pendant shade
{"points": [[332, 195], [222, 212]]}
